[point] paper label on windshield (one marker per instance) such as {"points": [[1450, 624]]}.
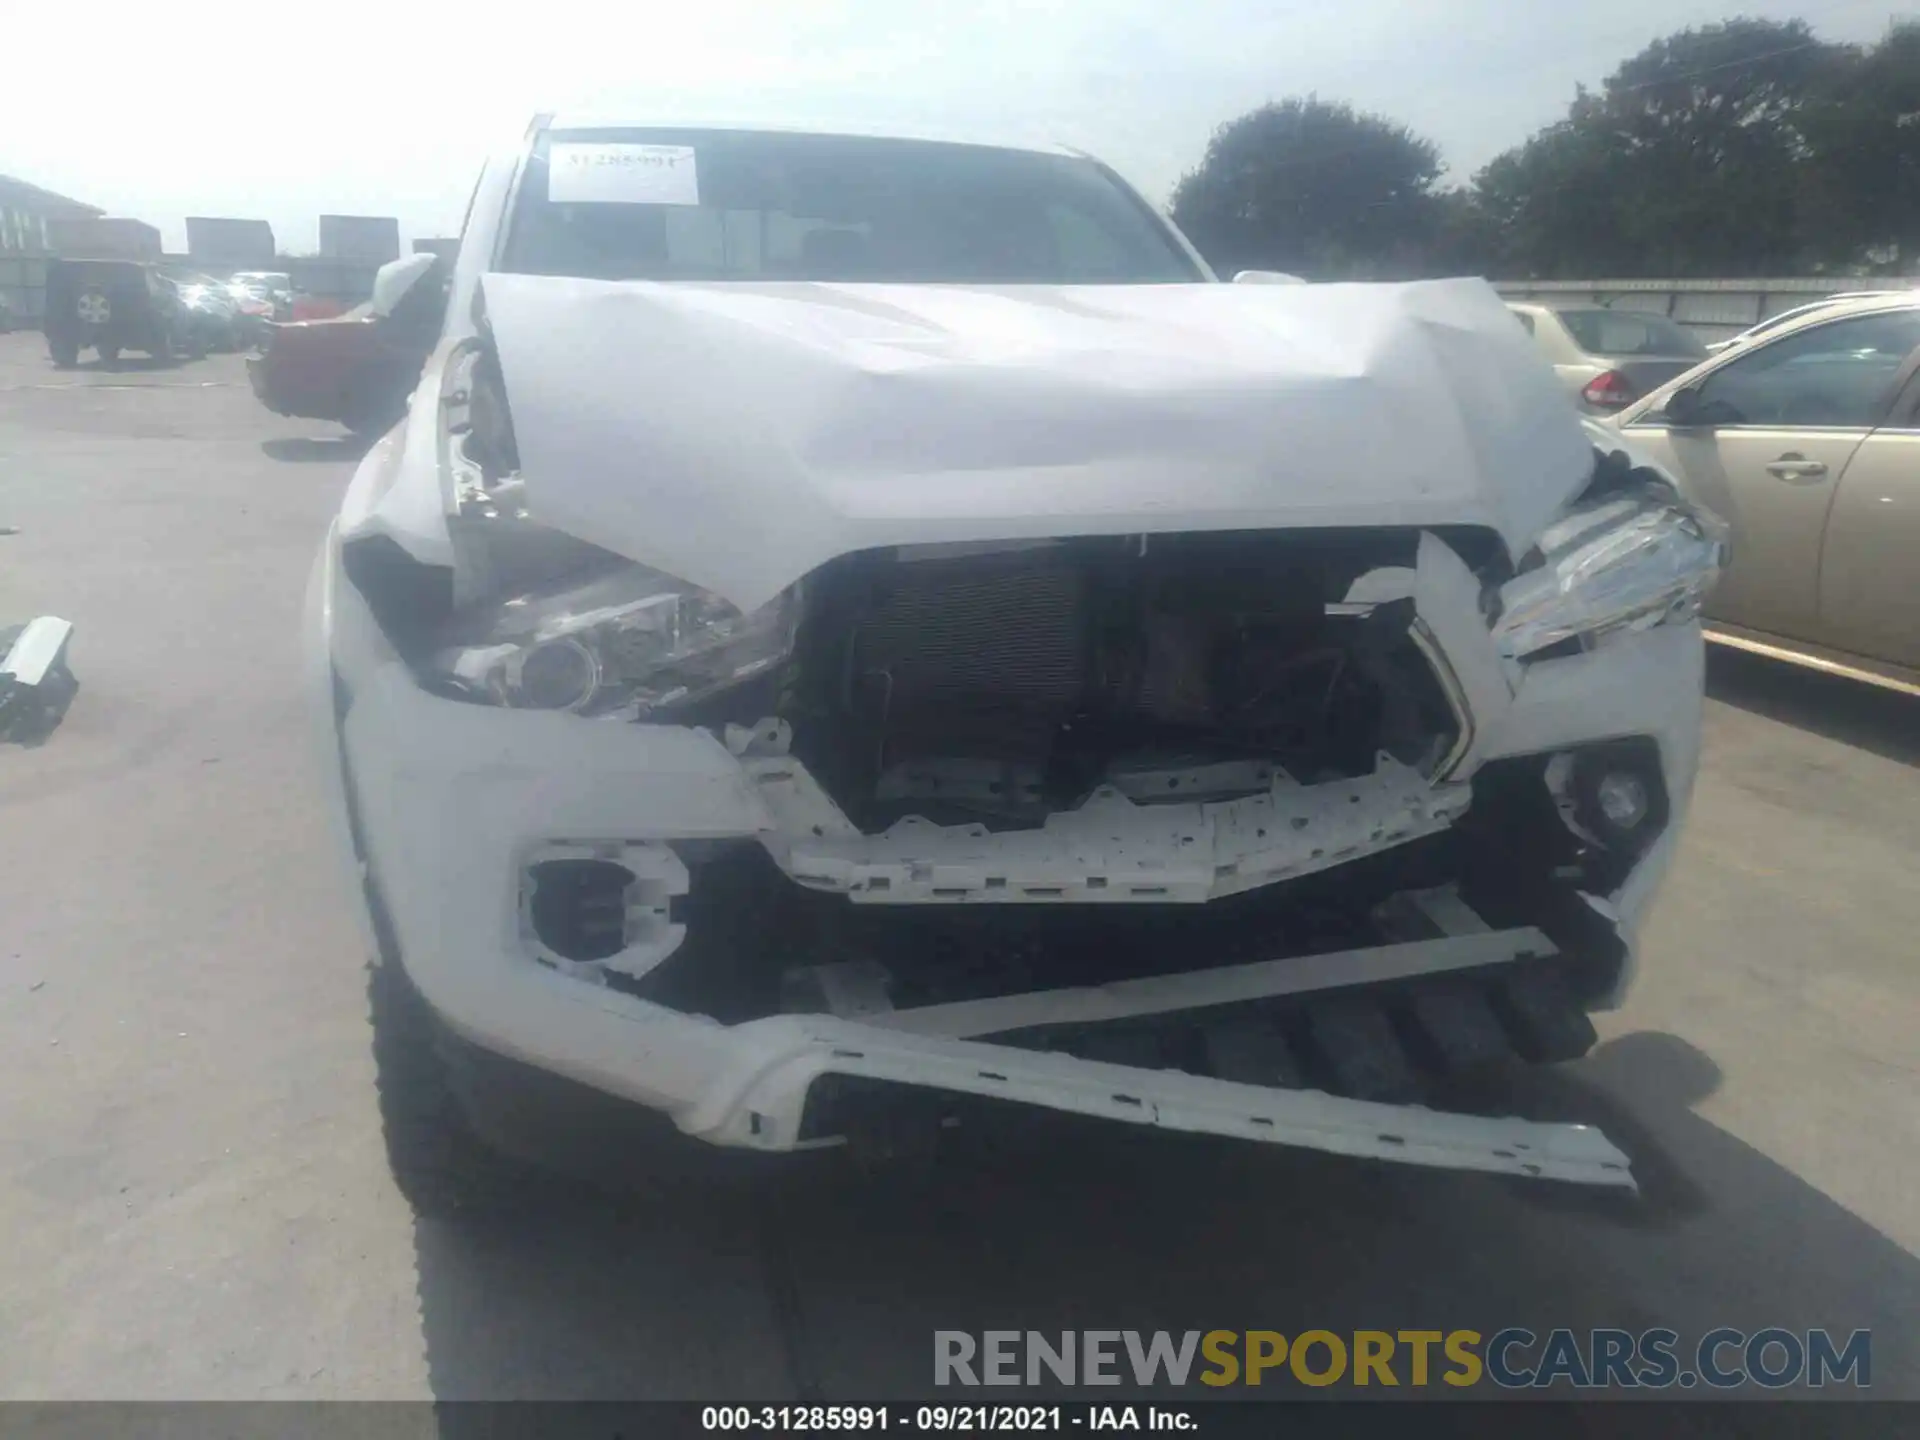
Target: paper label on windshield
{"points": [[623, 174]]}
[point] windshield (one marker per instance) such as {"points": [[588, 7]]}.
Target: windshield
{"points": [[1627, 332], [740, 205]]}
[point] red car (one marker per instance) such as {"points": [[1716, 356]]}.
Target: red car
{"points": [[357, 368]]}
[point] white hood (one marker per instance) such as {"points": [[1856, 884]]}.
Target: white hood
{"points": [[739, 435]]}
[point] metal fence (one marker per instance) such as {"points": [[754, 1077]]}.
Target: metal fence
{"points": [[1712, 309], [348, 281]]}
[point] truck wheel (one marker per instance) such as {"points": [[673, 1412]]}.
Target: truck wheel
{"points": [[439, 1162], [109, 354], [65, 353]]}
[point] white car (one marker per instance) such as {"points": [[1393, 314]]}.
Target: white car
{"points": [[1608, 358], [854, 626]]}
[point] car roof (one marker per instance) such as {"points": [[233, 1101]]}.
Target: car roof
{"points": [[1551, 307], [1840, 308], [1582, 307], [1823, 301], [1010, 139]]}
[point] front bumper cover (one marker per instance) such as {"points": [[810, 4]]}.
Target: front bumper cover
{"points": [[440, 803]]}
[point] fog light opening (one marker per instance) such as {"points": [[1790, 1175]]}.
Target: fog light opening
{"points": [[1612, 794], [1623, 800], [578, 908]]}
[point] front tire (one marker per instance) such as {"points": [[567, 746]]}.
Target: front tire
{"points": [[109, 354], [439, 1162], [65, 353]]}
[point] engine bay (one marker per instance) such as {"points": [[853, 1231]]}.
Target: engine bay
{"points": [[998, 685]]}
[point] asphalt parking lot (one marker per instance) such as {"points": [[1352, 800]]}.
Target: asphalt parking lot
{"points": [[191, 1177]]}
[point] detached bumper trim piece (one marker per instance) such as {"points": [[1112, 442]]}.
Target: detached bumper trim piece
{"points": [[766, 1112], [36, 651]]}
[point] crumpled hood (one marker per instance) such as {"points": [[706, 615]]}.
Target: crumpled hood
{"points": [[739, 435]]}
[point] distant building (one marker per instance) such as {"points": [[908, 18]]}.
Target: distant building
{"points": [[218, 242], [24, 212], [360, 237], [102, 237]]}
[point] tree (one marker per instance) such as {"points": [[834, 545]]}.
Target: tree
{"points": [[1313, 188], [1553, 208], [1686, 162], [1859, 196], [1465, 239]]}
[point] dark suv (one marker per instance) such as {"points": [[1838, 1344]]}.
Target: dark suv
{"points": [[114, 305]]}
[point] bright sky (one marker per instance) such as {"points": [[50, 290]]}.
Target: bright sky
{"points": [[356, 107]]}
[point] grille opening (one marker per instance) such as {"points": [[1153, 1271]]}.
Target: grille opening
{"points": [[1000, 687]]}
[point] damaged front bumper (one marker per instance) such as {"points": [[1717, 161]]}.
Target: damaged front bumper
{"points": [[444, 805], [263, 377]]}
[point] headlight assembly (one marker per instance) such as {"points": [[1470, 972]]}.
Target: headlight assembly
{"points": [[629, 642], [1637, 558]]}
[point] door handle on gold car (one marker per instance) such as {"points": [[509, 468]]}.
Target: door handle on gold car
{"points": [[1791, 466]]}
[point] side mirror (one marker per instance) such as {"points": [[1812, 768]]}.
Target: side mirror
{"points": [[1685, 408], [1266, 277]]}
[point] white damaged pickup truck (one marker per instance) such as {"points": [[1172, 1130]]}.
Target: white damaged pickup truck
{"points": [[851, 626]]}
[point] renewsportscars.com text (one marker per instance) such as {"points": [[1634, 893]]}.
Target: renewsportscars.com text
{"points": [[1515, 1358]]}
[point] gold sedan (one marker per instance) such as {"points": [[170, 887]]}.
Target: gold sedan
{"points": [[1807, 442]]}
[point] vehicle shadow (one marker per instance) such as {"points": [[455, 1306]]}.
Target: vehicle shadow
{"points": [[126, 364], [32, 734], [1865, 716], [830, 1288], [312, 449]]}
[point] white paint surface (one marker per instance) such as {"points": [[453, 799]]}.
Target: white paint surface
{"points": [[739, 435]]}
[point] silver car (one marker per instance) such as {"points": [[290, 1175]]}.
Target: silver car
{"points": [[1774, 322], [1609, 358], [1807, 442]]}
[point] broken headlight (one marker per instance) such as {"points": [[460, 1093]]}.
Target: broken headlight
{"points": [[631, 642], [1637, 558]]}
